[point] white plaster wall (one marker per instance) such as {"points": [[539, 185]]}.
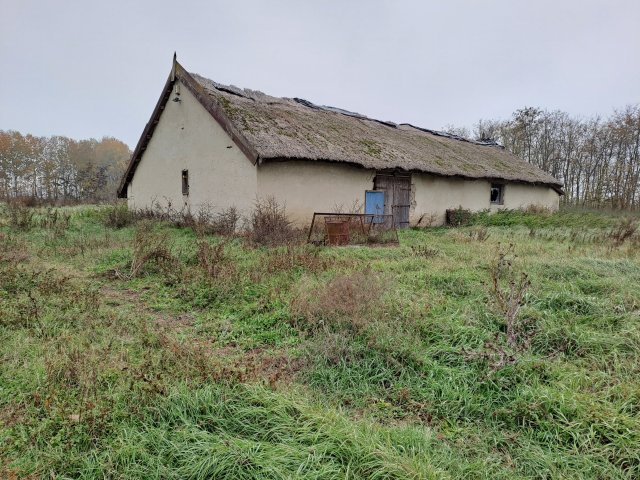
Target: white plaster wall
{"points": [[517, 195], [307, 187], [433, 195], [188, 138]]}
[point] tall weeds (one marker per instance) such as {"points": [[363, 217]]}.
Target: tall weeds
{"points": [[623, 231], [346, 301], [151, 247], [268, 224], [507, 292]]}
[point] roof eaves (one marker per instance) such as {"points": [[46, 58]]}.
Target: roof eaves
{"points": [[217, 112], [147, 133]]}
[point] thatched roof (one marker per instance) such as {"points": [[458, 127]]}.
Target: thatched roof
{"points": [[270, 128]]}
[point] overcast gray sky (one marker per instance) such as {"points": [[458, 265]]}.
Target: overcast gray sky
{"points": [[94, 68]]}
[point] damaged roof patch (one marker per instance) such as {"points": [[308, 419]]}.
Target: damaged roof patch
{"points": [[289, 128], [271, 128]]}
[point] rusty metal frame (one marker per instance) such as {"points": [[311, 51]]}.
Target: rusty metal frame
{"points": [[361, 216]]}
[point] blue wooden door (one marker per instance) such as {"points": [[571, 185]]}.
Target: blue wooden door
{"points": [[374, 204]]}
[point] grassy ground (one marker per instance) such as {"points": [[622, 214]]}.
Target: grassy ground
{"points": [[152, 352]]}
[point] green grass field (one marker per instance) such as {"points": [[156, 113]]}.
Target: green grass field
{"points": [[152, 352]]}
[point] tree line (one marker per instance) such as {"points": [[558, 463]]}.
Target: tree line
{"points": [[60, 169], [597, 159]]}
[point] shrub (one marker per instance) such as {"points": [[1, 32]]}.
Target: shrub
{"points": [[152, 246], [458, 217], [346, 301], [55, 219], [213, 262], [296, 256], [424, 251], [11, 249], [427, 220], [268, 224], [623, 231], [21, 216], [538, 210], [479, 233], [117, 215], [224, 222], [508, 289]]}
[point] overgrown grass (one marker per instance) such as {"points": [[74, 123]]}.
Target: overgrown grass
{"points": [[567, 217], [149, 350]]}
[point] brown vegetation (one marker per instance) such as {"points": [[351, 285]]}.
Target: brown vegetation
{"points": [[508, 290], [59, 170], [268, 224], [347, 300], [151, 246]]}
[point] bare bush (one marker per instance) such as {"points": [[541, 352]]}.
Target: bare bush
{"points": [[538, 210], [117, 215], [356, 207], [508, 290], [493, 353], [634, 247], [623, 231], [164, 212], [152, 247], [424, 251], [479, 234], [206, 221], [296, 256], [55, 220], [12, 250], [268, 224], [507, 295], [346, 301], [213, 261], [21, 216], [427, 220], [224, 222], [210, 257]]}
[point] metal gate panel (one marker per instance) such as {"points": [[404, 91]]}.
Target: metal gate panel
{"points": [[374, 204]]}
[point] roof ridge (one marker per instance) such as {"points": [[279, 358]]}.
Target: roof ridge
{"points": [[268, 128], [246, 93]]}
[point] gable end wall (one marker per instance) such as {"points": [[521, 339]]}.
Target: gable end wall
{"points": [[188, 138]]}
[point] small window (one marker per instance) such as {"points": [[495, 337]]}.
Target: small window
{"points": [[497, 194], [185, 182]]}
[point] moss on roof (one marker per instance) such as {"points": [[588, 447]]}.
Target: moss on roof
{"points": [[291, 128]]}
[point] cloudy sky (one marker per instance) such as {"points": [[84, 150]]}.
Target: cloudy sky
{"points": [[93, 68]]}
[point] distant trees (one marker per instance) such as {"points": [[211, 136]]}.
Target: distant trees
{"points": [[597, 159], [60, 169]]}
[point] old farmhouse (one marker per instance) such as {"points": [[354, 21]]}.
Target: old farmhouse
{"points": [[216, 146]]}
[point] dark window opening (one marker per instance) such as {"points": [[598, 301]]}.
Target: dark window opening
{"points": [[497, 194], [185, 182]]}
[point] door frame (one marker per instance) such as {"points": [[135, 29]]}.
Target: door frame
{"points": [[391, 205]]}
